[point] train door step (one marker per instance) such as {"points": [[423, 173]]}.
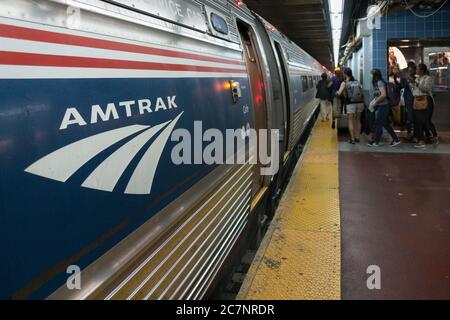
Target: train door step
{"points": [[240, 272], [238, 277], [247, 259]]}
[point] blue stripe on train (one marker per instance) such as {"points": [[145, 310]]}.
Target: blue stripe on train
{"points": [[46, 225]]}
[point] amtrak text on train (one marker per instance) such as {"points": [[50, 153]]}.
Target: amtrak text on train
{"points": [[113, 111]]}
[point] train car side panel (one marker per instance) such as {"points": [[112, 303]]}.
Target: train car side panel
{"points": [[86, 120]]}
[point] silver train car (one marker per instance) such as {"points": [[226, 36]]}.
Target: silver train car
{"points": [[93, 95]]}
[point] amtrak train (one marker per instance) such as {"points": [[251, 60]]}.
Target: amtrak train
{"points": [[92, 92]]}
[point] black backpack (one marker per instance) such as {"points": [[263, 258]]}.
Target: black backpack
{"points": [[393, 92]]}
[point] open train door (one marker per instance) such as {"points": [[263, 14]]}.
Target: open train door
{"points": [[278, 93], [282, 67], [256, 80]]}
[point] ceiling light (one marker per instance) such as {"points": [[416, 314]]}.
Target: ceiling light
{"points": [[336, 8]]}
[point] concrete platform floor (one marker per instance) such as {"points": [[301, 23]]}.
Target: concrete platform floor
{"points": [[395, 213], [349, 207]]}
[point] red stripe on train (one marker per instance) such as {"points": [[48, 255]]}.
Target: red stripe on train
{"points": [[47, 60], [23, 33]]}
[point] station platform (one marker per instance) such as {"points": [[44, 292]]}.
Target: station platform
{"points": [[350, 207]]}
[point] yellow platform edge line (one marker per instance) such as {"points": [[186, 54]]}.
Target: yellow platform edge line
{"points": [[300, 255]]}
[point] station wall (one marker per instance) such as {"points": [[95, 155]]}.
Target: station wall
{"points": [[399, 25], [405, 25]]}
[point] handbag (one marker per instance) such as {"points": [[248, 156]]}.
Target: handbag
{"points": [[420, 103]]}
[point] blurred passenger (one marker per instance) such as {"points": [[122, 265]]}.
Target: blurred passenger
{"points": [[337, 101], [446, 73], [380, 106], [445, 62], [435, 63], [407, 82], [394, 93], [353, 92], [324, 88], [423, 107]]}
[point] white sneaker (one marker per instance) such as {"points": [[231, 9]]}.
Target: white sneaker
{"points": [[395, 143]]}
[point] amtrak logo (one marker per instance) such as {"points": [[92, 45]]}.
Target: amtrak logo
{"points": [[61, 164]]}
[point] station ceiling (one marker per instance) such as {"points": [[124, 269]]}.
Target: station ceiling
{"points": [[303, 21], [306, 22]]}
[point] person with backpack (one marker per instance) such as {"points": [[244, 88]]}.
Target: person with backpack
{"points": [[393, 93], [423, 107], [381, 105], [324, 88], [336, 80], [353, 92]]}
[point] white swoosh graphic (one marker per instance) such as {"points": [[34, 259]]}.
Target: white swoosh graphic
{"points": [[142, 179], [61, 164], [108, 173]]}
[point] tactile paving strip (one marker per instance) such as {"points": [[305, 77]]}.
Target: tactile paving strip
{"points": [[300, 256]]}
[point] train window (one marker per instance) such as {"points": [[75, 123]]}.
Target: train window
{"points": [[310, 81], [304, 83], [219, 23]]}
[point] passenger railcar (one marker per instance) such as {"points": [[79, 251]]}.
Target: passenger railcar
{"points": [[91, 92]]}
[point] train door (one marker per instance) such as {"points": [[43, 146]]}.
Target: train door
{"points": [[256, 80], [286, 94]]}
